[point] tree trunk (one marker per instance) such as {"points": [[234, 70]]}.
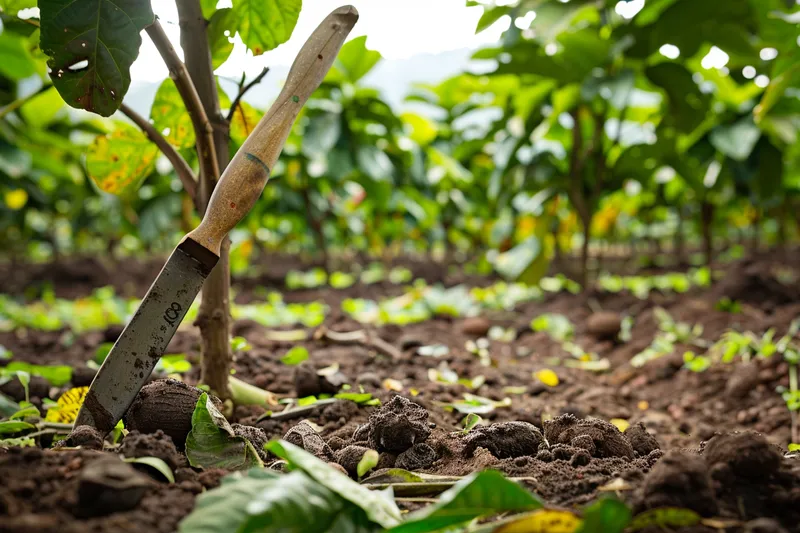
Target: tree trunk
{"points": [[213, 318], [706, 220]]}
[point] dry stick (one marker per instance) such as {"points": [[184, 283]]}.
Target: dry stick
{"points": [[202, 127], [243, 91], [361, 337], [182, 168]]}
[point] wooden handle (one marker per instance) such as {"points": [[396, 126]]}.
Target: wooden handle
{"points": [[246, 176]]}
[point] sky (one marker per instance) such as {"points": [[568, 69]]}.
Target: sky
{"points": [[398, 30]]}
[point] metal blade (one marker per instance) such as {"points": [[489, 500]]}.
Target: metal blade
{"points": [[143, 341]]}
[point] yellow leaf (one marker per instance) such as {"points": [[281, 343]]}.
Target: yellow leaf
{"points": [[643, 405], [16, 199], [68, 406], [119, 162], [543, 521], [244, 121], [392, 384], [621, 423], [547, 376]]}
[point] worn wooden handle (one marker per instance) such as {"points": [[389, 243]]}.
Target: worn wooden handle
{"points": [[246, 176]]}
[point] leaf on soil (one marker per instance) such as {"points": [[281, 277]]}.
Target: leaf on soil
{"points": [[66, 409], [295, 356], [21, 442], [212, 443], [57, 375], [25, 412], [547, 376], [480, 494], [10, 427], [470, 421], [368, 461], [118, 163], [92, 45], [607, 515], [543, 521], [379, 507], [154, 462], [262, 500], [663, 518]]}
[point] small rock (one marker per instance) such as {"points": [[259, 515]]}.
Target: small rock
{"points": [[336, 443], [476, 326], [604, 325], [419, 456], [306, 381], [303, 435]]}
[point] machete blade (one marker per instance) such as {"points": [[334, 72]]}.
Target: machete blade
{"points": [[131, 360]]}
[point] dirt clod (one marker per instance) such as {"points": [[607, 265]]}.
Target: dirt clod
{"points": [[86, 437], [255, 436], [763, 525], [157, 444], [418, 457], [604, 325], [398, 425], [349, 457], [476, 326], [678, 480], [505, 439], [306, 381], [641, 440], [109, 485], [747, 454], [306, 437], [607, 439], [167, 405]]}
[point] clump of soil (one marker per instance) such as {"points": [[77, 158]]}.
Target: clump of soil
{"points": [[641, 440], [746, 454], [304, 436], [109, 485], [158, 444], [598, 437], [604, 325], [505, 439], [165, 405], [307, 382], [418, 457], [349, 457], [256, 436], [397, 425], [86, 437], [678, 480]]}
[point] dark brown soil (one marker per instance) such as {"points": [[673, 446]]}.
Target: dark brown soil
{"points": [[712, 441]]}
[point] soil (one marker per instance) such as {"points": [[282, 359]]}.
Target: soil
{"points": [[714, 442]]}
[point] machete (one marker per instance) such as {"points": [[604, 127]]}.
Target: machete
{"points": [[144, 339]]}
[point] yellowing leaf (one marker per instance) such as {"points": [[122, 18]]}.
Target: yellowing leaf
{"points": [[423, 130], [547, 376], [392, 384], [664, 517], [543, 521], [244, 121], [643, 405], [119, 162], [170, 117], [16, 199], [621, 423], [68, 406]]}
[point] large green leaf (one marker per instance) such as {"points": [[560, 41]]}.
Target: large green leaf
{"points": [[266, 502], [687, 104], [92, 45], [10, 427], [736, 140], [354, 61], [264, 24], [120, 162], [321, 134], [57, 375], [380, 508], [208, 7], [480, 494], [17, 61], [170, 117], [212, 443], [43, 108], [219, 35]]}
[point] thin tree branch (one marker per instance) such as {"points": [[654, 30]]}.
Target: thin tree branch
{"points": [[182, 168], [244, 90], [202, 126]]}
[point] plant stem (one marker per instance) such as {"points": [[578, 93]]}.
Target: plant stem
{"points": [[214, 316], [182, 168], [793, 389], [243, 91]]}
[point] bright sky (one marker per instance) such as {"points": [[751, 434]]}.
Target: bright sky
{"points": [[396, 29]]}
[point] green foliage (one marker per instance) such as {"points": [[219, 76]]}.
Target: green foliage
{"points": [[212, 442], [57, 375], [295, 356], [265, 25], [91, 46]]}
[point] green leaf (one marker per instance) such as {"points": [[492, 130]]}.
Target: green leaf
{"points": [[321, 134], [687, 104], [663, 518], [17, 61], [736, 140], [15, 6], [265, 502], [92, 45], [607, 515], [174, 364], [264, 24], [57, 375], [374, 162], [102, 351], [776, 89], [169, 116], [220, 35], [793, 447], [470, 421], [14, 426], [379, 508], [423, 129], [120, 162], [354, 61], [368, 461], [527, 262], [154, 462], [7, 406], [42, 109], [5, 353], [295, 356], [208, 7], [25, 412], [491, 14], [480, 494], [212, 443]]}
